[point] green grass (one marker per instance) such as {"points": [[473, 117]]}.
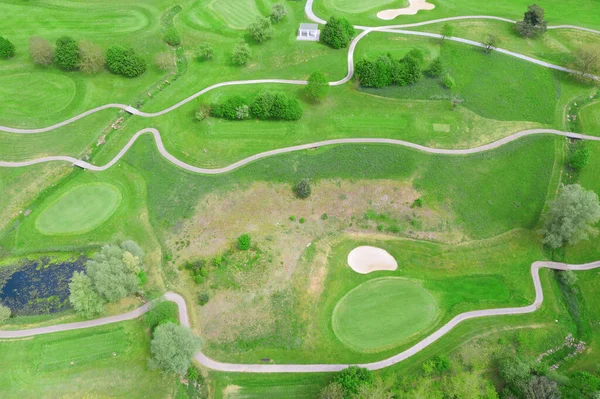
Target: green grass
{"points": [[357, 6], [247, 386], [79, 210], [590, 118], [237, 14], [383, 313]]}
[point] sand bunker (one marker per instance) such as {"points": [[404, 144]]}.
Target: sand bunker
{"points": [[414, 7], [366, 259]]}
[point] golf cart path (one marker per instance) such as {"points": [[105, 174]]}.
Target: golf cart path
{"points": [[397, 29], [313, 368]]}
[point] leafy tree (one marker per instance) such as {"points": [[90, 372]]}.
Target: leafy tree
{"points": [[205, 52], [447, 31], [4, 313], [586, 64], [172, 37], [91, 58], [241, 54], [333, 390], [533, 23], [337, 33], [540, 387], [275, 106], [7, 49], [317, 88], [229, 108], [580, 157], [161, 312], [303, 189], [243, 242], [173, 348], [277, 13], [448, 81], [408, 70], [435, 69], [490, 43], [111, 277], [124, 61], [66, 54], [164, 61], [568, 277], [84, 297], [41, 51], [352, 378], [379, 389], [365, 72], [571, 217], [261, 29]]}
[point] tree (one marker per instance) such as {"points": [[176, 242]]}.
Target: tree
{"points": [[165, 61], [7, 49], [172, 37], [533, 23], [277, 13], [124, 61], [568, 277], [173, 348], [447, 31], [241, 54], [161, 312], [276, 106], [571, 217], [84, 297], [379, 389], [365, 72], [41, 51], [243, 242], [110, 275], [303, 189], [352, 378], [337, 33], [489, 43], [4, 313], [66, 54], [435, 69], [317, 88], [333, 390], [205, 52], [580, 157], [540, 387], [91, 58], [448, 81], [261, 29], [586, 64]]}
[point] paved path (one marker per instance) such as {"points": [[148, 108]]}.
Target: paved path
{"points": [[313, 368], [163, 151]]}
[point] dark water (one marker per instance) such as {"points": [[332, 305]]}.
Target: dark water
{"points": [[38, 287]]}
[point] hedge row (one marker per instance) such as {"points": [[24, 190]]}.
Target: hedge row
{"points": [[267, 105]]}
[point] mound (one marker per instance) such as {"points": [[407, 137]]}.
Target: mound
{"points": [[80, 209], [383, 313], [367, 259]]}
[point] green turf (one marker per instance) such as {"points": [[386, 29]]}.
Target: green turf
{"points": [[237, 14], [357, 6], [79, 210], [383, 313], [590, 118]]}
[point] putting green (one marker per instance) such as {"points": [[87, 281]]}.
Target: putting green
{"points": [[79, 210], [383, 313], [359, 6]]}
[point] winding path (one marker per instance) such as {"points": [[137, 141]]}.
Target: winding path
{"points": [[315, 368]]}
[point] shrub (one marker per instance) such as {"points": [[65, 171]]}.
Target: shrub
{"points": [[447, 30], [277, 13], [261, 29], [200, 115], [302, 220], [580, 158], [317, 87], [436, 68], [173, 348], [417, 203], [352, 378], [292, 218], [7, 49], [205, 52], [4, 313], [91, 58], [217, 261], [124, 61], [203, 298], [241, 54], [172, 37], [66, 54], [437, 364], [165, 61], [324, 216], [198, 279], [270, 105], [229, 108], [303, 188], [448, 81], [41, 51], [160, 312], [337, 33], [243, 242]]}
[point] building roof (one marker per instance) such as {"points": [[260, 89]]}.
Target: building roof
{"points": [[305, 26]]}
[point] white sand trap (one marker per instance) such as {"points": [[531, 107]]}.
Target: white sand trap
{"points": [[366, 259], [414, 7]]}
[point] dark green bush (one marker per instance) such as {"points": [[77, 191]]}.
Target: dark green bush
{"points": [[172, 37], [66, 53], [317, 87], [203, 298], [417, 203], [303, 188], [160, 312], [352, 378], [270, 105], [386, 70], [7, 49], [124, 61], [580, 157], [435, 69], [228, 109], [337, 33], [243, 242]]}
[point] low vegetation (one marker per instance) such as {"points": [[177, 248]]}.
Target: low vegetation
{"points": [[124, 61]]}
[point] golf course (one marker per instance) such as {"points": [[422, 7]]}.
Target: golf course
{"points": [[199, 200]]}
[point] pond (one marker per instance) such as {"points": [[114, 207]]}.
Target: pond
{"points": [[39, 286]]}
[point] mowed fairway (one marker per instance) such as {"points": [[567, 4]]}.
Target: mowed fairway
{"points": [[382, 313], [237, 14], [590, 118], [79, 210], [358, 6]]}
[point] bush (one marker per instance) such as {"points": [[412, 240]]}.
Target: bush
{"points": [[67, 54], [261, 29], [205, 52], [165, 61], [203, 298], [173, 348], [275, 106], [436, 68], [228, 109], [302, 220], [277, 13], [580, 158], [303, 188], [292, 218], [448, 81], [337, 33], [218, 261], [160, 312], [172, 37], [324, 216], [124, 61], [7, 49], [91, 58], [200, 115], [243, 242], [352, 378], [533, 23], [241, 54], [4, 313], [41, 51], [317, 87], [417, 203]]}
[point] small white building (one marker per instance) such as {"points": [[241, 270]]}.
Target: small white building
{"points": [[309, 32]]}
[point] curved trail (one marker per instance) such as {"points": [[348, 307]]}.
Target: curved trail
{"points": [[163, 151], [398, 29], [314, 368]]}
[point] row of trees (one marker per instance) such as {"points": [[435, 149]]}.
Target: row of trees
{"points": [[111, 274], [267, 105], [386, 70]]}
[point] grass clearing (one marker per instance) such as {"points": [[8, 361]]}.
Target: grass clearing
{"points": [[237, 14], [590, 118]]}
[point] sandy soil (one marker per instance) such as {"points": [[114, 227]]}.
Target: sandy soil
{"points": [[367, 259], [414, 7]]}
